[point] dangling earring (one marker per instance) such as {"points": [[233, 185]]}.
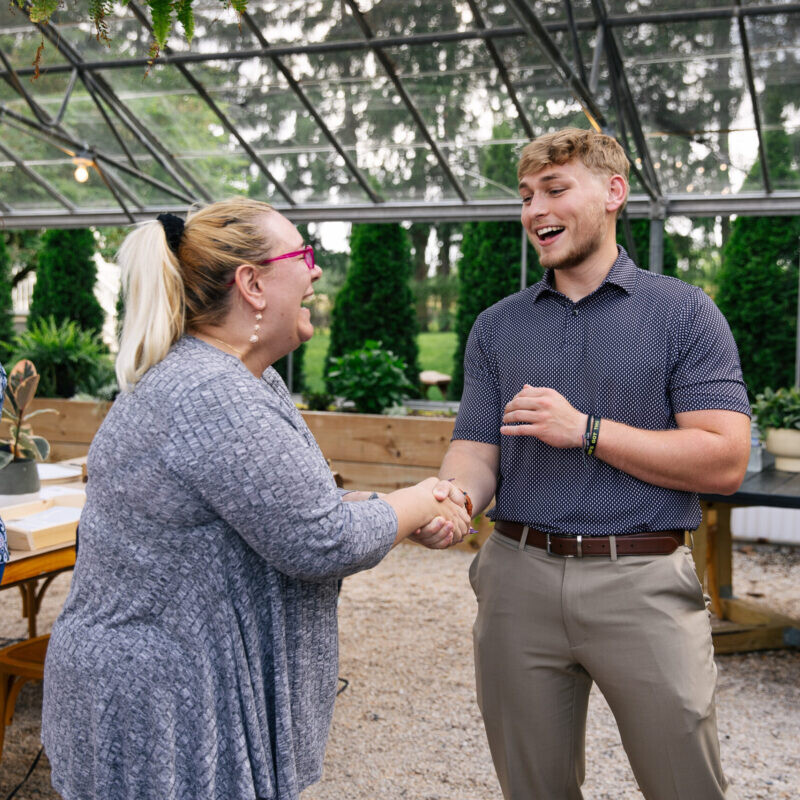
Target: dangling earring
{"points": [[256, 328]]}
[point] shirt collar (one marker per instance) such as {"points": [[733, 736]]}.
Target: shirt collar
{"points": [[622, 274]]}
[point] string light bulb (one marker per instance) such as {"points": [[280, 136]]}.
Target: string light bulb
{"points": [[82, 162]]}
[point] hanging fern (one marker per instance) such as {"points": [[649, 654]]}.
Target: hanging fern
{"points": [[99, 10], [183, 11], [41, 10], [163, 14]]}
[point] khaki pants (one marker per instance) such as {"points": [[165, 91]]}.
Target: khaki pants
{"points": [[638, 627]]}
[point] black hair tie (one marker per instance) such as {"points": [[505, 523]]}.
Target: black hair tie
{"points": [[173, 230]]}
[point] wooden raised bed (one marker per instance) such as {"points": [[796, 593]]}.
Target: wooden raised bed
{"points": [[369, 451]]}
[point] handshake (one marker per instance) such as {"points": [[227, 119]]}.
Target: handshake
{"points": [[452, 521], [434, 512]]}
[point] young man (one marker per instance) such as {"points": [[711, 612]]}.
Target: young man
{"points": [[596, 404]]}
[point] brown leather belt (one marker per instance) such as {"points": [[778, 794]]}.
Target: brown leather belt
{"points": [[652, 543]]}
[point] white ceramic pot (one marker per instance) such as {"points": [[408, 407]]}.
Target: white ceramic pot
{"points": [[784, 444]]}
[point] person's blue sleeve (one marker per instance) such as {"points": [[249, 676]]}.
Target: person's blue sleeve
{"points": [[3, 538], [706, 373], [480, 413]]}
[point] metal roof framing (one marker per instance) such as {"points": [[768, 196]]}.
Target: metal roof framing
{"points": [[508, 31], [568, 77], [95, 83], [404, 96], [309, 107], [751, 88], [220, 114], [502, 71], [185, 187], [639, 207]]}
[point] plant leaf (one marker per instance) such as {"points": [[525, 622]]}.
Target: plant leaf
{"points": [[5, 458], [38, 411], [161, 12], [26, 391], [185, 15], [42, 447]]}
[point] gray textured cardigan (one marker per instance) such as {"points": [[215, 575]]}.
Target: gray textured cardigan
{"points": [[196, 655]]}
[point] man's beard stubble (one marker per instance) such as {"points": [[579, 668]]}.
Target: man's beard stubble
{"points": [[583, 249]]}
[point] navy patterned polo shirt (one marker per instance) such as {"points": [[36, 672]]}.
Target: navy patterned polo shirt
{"points": [[639, 349]]}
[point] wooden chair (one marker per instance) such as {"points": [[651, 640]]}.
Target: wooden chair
{"points": [[19, 663]]}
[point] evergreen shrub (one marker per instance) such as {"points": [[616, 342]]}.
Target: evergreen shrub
{"points": [[640, 231], [491, 255], [758, 279], [6, 304], [376, 302], [65, 279]]}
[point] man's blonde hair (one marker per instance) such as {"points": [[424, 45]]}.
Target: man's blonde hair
{"points": [[597, 152]]}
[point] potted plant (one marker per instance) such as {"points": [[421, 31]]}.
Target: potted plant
{"points": [[20, 452], [778, 415]]}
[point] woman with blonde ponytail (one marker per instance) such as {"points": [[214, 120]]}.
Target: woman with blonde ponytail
{"points": [[195, 658]]}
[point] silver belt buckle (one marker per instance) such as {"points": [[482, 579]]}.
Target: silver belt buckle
{"points": [[578, 552]]}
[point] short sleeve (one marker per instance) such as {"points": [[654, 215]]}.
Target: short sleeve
{"points": [[479, 413], [706, 373], [261, 471]]}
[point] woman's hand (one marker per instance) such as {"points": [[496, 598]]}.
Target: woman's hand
{"points": [[438, 534], [417, 507], [448, 526]]}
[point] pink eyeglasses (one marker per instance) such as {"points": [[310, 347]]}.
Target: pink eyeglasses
{"points": [[308, 256], [307, 252]]}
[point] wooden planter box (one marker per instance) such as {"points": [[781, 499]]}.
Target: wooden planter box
{"points": [[369, 451], [71, 429]]}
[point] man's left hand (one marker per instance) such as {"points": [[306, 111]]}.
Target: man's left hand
{"points": [[547, 415]]}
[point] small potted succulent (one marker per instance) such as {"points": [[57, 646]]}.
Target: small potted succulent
{"points": [[20, 452], [778, 415]]}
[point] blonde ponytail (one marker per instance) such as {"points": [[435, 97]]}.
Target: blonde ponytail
{"points": [[153, 294], [165, 294]]}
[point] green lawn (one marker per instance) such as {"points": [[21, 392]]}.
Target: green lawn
{"points": [[435, 352]]}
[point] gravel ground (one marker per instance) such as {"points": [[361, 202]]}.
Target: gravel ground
{"points": [[406, 725]]}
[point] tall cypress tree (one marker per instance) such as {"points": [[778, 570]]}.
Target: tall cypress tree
{"points": [[640, 228], [491, 255], [65, 279], [758, 279], [6, 304], [376, 301]]}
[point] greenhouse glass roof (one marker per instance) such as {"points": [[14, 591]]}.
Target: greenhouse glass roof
{"points": [[396, 109]]}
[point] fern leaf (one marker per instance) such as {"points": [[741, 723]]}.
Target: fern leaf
{"points": [[99, 10], [239, 6], [41, 10], [183, 10], [161, 12]]}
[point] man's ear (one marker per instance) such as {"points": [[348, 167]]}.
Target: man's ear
{"points": [[617, 193]]}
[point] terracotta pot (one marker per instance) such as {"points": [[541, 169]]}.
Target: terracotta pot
{"points": [[19, 477], [784, 444]]}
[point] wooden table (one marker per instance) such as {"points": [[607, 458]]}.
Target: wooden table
{"points": [[741, 625], [27, 568]]}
